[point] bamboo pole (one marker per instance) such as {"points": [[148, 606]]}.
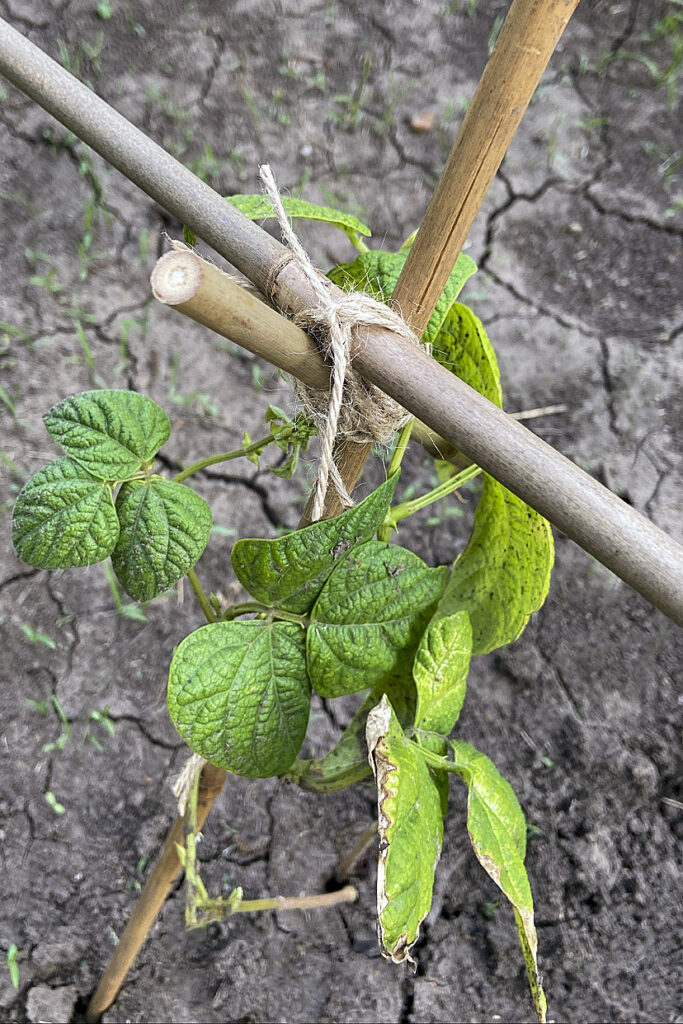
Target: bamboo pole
{"points": [[185, 281], [157, 887], [525, 44]]}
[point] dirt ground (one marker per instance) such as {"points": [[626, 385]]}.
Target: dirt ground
{"points": [[580, 249]]}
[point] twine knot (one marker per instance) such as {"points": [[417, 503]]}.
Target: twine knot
{"points": [[353, 409]]}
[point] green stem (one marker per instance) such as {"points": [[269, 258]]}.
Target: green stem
{"points": [[408, 508], [435, 760], [400, 448], [245, 607], [192, 880], [113, 586], [201, 596], [196, 467]]}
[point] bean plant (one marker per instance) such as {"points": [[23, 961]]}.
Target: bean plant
{"points": [[336, 608]]}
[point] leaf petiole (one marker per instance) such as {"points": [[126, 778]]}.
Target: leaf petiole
{"points": [[269, 610], [408, 508], [255, 448], [400, 448], [204, 602]]}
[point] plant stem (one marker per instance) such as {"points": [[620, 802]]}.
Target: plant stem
{"points": [[409, 508], [400, 448], [113, 586], [348, 894], [346, 864], [191, 877], [201, 596], [235, 610], [245, 607], [196, 467]]}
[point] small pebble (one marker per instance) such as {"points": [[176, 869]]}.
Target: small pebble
{"points": [[423, 122]]}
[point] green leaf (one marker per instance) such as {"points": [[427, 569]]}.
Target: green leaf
{"points": [[369, 618], [410, 833], [259, 207], [440, 672], [64, 518], [290, 570], [503, 575], [239, 695], [498, 833], [376, 273], [463, 347], [165, 527], [111, 433]]}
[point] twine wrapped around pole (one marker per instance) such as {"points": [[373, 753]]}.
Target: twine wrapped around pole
{"points": [[352, 410]]}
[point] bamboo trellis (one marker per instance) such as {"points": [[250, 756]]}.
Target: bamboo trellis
{"points": [[600, 522]]}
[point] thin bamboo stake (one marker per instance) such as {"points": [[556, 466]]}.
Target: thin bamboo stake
{"points": [[158, 885], [525, 44], [198, 289]]}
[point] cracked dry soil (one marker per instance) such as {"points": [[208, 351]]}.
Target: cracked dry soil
{"points": [[579, 246]]}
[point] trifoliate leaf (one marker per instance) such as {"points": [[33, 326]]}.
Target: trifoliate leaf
{"points": [[239, 695], [440, 672], [410, 833], [64, 518], [376, 273], [498, 833], [111, 433], [259, 207], [368, 620], [290, 570], [503, 574], [165, 527]]}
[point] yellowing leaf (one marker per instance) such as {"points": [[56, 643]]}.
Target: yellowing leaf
{"points": [[498, 833], [440, 672], [503, 575]]}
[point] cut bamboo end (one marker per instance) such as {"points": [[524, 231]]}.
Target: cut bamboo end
{"points": [[177, 277], [186, 282]]}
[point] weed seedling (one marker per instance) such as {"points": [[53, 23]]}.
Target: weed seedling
{"points": [[12, 965], [335, 608]]}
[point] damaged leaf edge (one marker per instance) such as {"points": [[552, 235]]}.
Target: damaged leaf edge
{"points": [[375, 731]]}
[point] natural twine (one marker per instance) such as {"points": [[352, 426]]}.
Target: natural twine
{"points": [[182, 787], [352, 409]]}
